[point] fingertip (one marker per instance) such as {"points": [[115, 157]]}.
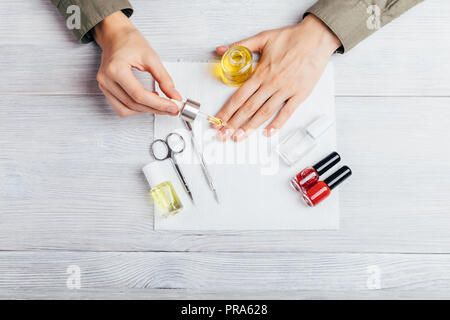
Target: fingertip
{"points": [[239, 135], [221, 49], [224, 134], [270, 131], [177, 95], [220, 135], [172, 108], [172, 93], [215, 126]]}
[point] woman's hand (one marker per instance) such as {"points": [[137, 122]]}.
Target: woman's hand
{"points": [[125, 48], [292, 61]]}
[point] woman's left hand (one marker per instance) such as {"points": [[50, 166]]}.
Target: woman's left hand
{"points": [[292, 61]]}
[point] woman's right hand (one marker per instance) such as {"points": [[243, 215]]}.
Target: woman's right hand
{"points": [[125, 48]]}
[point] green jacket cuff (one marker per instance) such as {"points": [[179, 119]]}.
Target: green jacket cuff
{"points": [[354, 20], [91, 13]]}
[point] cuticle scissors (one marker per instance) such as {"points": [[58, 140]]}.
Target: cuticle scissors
{"points": [[173, 143]]}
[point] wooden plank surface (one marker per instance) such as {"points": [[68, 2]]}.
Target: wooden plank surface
{"points": [[307, 273], [70, 172], [195, 294], [407, 57]]}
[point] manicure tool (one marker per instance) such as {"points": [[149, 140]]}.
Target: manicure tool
{"points": [[173, 144], [202, 160]]}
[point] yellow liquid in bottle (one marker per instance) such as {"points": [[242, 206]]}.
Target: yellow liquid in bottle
{"points": [[237, 66], [166, 199]]}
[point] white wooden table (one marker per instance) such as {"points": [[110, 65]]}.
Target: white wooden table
{"points": [[71, 191]]}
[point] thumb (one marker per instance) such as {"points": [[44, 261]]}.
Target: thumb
{"points": [[254, 44]]}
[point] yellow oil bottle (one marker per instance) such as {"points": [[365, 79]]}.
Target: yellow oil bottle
{"points": [[236, 65], [165, 199]]}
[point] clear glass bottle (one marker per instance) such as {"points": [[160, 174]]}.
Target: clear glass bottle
{"points": [[237, 65], [301, 141], [162, 191]]}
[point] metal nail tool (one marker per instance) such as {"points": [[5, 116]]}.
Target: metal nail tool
{"points": [[202, 160], [173, 144], [189, 111]]}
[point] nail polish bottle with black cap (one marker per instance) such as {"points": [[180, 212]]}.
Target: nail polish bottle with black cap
{"points": [[322, 189], [306, 178]]}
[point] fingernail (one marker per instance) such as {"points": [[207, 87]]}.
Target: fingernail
{"points": [[172, 109], [270, 132], [239, 135], [223, 135], [215, 126], [176, 93], [222, 48]]}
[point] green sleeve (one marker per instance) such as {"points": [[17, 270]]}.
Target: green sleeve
{"points": [[354, 20], [91, 13]]}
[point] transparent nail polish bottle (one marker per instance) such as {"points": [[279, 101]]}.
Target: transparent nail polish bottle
{"points": [[162, 191], [301, 141]]}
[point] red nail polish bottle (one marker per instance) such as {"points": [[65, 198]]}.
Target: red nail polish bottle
{"points": [[310, 175], [322, 189]]}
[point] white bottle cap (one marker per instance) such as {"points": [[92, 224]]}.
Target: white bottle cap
{"points": [[319, 126], [156, 173]]}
